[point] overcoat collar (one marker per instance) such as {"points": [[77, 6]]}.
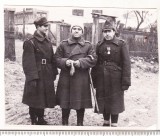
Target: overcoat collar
{"points": [[73, 41], [115, 41], [39, 37]]}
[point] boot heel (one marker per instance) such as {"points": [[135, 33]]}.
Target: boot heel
{"points": [[80, 124], [33, 120], [65, 122], [41, 121]]}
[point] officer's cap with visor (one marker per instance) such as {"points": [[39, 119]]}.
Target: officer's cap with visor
{"points": [[42, 21]]}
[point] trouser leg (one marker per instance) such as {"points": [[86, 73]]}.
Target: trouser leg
{"points": [[80, 116], [106, 117], [114, 120], [65, 116], [33, 115]]}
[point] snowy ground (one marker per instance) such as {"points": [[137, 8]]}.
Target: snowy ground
{"points": [[140, 99]]}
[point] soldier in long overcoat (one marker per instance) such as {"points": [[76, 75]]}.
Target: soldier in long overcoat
{"points": [[111, 75], [74, 57], [40, 70]]}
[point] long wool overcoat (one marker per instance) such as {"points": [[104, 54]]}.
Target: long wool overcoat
{"points": [[73, 92], [43, 94], [111, 72]]}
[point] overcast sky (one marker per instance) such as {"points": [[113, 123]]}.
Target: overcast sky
{"points": [[58, 13], [62, 9]]}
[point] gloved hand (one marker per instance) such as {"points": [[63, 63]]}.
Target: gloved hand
{"points": [[68, 62], [72, 70], [125, 88], [33, 83], [77, 63]]}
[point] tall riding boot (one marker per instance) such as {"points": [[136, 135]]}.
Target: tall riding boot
{"points": [[33, 116], [40, 114], [80, 116], [65, 116]]}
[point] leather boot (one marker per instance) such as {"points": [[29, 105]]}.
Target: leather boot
{"points": [[34, 120], [40, 114], [65, 116], [106, 125], [114, 120], [33, 116], [80, 116], [106, 119], [64, 122], [41, 121]]}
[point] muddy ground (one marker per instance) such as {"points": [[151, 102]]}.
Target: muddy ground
{"points": [[140, 99]]}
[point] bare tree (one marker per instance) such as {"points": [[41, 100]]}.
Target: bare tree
{"points": [[140, 18], [126, 18], [153, 26]]}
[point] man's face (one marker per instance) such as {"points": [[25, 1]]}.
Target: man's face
{"points": [[43, 29], [108, 34], [76, 31]]}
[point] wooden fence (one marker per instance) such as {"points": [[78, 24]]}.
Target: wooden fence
{"points": [[141, 43]]}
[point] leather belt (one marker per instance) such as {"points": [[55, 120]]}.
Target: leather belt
{"points": [[108, 63]]}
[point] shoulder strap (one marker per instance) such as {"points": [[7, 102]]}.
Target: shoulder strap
{"points": [[35, 46]]}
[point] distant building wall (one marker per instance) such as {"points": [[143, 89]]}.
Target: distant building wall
{"points": [[58, 30], [30, 15]]}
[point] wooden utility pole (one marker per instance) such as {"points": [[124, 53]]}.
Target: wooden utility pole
{"points": [[95, 27], [24, 24], [9, 34], [58, 34]]}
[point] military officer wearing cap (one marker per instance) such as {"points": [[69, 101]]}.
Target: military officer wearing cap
{"points": [[111, 75], [40, 71], [74, 57]]}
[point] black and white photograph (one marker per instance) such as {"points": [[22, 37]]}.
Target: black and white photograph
{"points": [[81, 66]]}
